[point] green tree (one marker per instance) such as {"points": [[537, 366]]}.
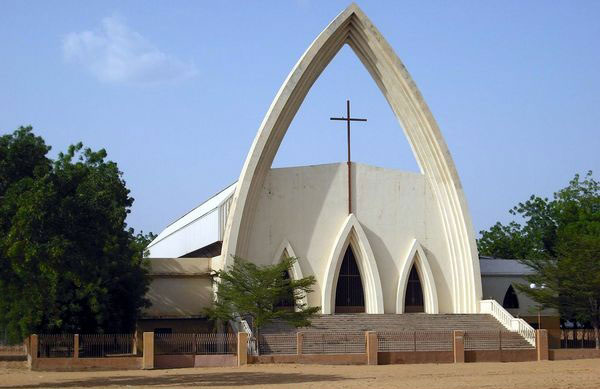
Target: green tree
{"points": [[250, 290], [68, 262], [560, 241]]}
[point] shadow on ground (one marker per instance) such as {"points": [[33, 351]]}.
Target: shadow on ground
{"points": [[240, 378]]}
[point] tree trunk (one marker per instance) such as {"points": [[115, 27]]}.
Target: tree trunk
{"points": [[597, 336]]}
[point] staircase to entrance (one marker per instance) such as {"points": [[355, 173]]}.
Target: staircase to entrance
{"points": [[408, 322]]}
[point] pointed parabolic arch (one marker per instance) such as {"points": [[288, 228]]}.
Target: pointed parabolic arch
{"points": [[416, 256], [285, 250], [351, 233], [352, 27]]}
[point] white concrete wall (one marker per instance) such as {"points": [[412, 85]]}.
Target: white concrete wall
{"points": [[495, 287], [308, 205], [180, 287], [179, 297]]}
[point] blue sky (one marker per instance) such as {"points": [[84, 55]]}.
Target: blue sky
{"points": [[175, 91]]}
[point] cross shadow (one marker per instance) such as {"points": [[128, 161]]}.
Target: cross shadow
{"points": [[240, 378]]}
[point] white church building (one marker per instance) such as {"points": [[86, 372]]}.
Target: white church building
{"points": [[377, 240]]}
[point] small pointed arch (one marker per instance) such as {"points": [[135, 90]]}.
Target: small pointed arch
{"points": [[511, 301], [285, 250], [353, 234], [416, 256]]}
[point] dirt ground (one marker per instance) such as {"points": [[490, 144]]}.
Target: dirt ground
{"points": [[584, 373]]}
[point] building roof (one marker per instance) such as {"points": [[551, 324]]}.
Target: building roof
{"points": [[196, 229], [502, 267]]}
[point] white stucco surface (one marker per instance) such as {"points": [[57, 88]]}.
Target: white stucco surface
{"points": [[307, 206], [454, 227], [180, 287]]}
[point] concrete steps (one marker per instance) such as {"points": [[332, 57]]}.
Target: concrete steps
{"points": [[482, 329]]}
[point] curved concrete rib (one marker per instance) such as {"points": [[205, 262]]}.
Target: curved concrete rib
{"points": [[352, 27], [352, 234], [417, 256]]}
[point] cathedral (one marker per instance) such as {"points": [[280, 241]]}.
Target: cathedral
{"points": [[377, 240]]}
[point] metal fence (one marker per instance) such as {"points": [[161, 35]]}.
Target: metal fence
{"points": [[495, 340], [334, 343], [277, 344], [579, 338], [197, 344], [105, 345], [55, 346], [415, 341]]}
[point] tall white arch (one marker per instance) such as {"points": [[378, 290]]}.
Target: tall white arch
{"points": [[416, 255], [285, 250], [352, 234], [352, 27]]}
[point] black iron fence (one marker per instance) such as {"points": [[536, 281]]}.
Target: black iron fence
{"points": [[495, 340], [55, 346], [415, 341], [269, 344], [197, 344], [106, 345], [334, 343]]}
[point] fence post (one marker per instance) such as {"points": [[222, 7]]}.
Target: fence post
{"points": [[148, 355], [134, 343], [541, 343], [242, 348], [299, 342], [372, 347], [459, 346], [33, 350], [75, 346]]}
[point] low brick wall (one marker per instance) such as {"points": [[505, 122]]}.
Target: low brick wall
{"points": [[71, 364], [573, 353], [407, 357], [181, 361], [323, 359], [500, 355], [12, 358]]}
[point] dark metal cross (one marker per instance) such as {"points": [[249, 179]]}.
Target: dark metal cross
{"points": [[349, 119]]}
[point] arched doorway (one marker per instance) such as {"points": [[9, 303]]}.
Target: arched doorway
{"points": [[286, 302], [511, 301], [349, 294], [413, 301]]}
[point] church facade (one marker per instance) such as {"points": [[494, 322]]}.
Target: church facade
{"points": [[377, 240]]}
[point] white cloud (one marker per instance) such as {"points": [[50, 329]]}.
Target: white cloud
{"points": [[115, 53]]}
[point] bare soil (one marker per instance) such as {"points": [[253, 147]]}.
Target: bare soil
{"points": [[584, 373]]}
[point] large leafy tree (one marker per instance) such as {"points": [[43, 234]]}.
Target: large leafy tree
{"points": [[560, 241], [68, 262], [249, 290]]}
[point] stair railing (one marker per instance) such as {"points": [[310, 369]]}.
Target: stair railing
{"points": [[507, 320], [241, 325]]}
